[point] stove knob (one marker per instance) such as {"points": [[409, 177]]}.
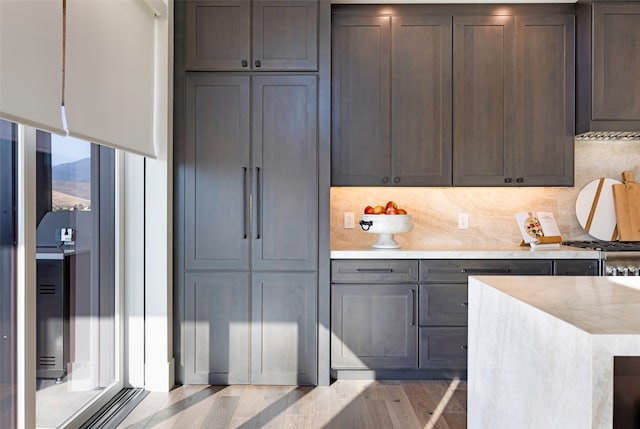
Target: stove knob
{"points": [[634, 271], [623, 271], [611, 271]]}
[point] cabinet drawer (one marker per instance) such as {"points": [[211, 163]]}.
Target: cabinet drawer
{"points": [[575, 267], [374, 271], [457, 270], [444, 348], [443, 304]]}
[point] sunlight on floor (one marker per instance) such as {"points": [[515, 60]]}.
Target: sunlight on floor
{"points": [[442, 404]]}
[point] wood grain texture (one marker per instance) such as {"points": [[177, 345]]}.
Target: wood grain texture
{"points": [[626, 198], [343, 404]]}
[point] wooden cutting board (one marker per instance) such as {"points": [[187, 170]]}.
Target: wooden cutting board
{"points": [[626, 199], [595, 211]]}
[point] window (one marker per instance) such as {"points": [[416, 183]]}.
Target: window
{"points": [[7, 275], [77, 361]]}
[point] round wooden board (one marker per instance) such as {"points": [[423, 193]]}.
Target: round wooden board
{"points": [[603, 222]]}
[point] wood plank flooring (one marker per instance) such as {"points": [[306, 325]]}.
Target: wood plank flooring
{"points": [[345, 404]]}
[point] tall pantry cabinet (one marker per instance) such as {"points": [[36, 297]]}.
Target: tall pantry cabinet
{"points": [[248, 210]]}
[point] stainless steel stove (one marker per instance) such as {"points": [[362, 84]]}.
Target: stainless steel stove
{"points": [[620, 258]]}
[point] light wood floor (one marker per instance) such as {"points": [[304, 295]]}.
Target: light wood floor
{"points": [[344, 404]]}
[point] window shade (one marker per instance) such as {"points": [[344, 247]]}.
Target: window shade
{"points": [[109, 85], [31, 63]]}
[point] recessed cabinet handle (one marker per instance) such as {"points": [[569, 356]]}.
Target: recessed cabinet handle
{"points": [[258, 63], [519, 180], [508, 180], [374, 270], [464, 348], [464, 304], [245, 63]]}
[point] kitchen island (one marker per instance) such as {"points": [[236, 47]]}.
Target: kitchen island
{"points": [[541, 349]]}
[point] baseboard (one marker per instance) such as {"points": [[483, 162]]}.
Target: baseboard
{"points": [[159, 376]]}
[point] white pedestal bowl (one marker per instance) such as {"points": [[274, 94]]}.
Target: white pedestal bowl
{"points": [[386, 226]]}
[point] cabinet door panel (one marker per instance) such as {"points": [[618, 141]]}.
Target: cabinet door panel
{"points": [[285, 34], [545, 122], [443, 348], [283, 328], [443, 304], [373, 326], [216, 328], [421, 100], [616, 60], [285, 173], [483, 100], [361, 111], [216, 172], [217, 34]]}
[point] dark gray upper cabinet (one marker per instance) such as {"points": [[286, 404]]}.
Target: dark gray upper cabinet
{"points": [[513, 100], [453, 95], [361, 108], [545, 100], [392, 105], [261, 195], [251, 35], [483, 100], [421, 100], [608, 66]]}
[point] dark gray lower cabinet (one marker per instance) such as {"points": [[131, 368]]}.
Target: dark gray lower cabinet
{"points": [[408, 318], [374, 326], [250, 328], [283, 328], [217, 328], [443, 347]]}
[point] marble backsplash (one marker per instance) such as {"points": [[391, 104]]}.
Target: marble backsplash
{"points": [[491, 210]]}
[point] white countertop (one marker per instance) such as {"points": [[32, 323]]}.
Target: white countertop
{"points": [[542, 349], [595, 305], [470, 252]]}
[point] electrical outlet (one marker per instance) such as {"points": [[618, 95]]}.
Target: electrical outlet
{"points": [[349, 220], [463, 221], [66, 234]]}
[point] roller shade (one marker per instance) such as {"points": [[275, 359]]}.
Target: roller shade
{"points": [[109, 84], [31, 63], [107, 69]]}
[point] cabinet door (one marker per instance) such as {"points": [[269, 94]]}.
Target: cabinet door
{"points": [[443, 304], [545, 100], [421, 100], [373, 326], [443, 348], [285, 197], [285, 35], [483, 103], [616, 61], [217, 172], [217, 34], [216, 328], [283, 328], [361, 110]]}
